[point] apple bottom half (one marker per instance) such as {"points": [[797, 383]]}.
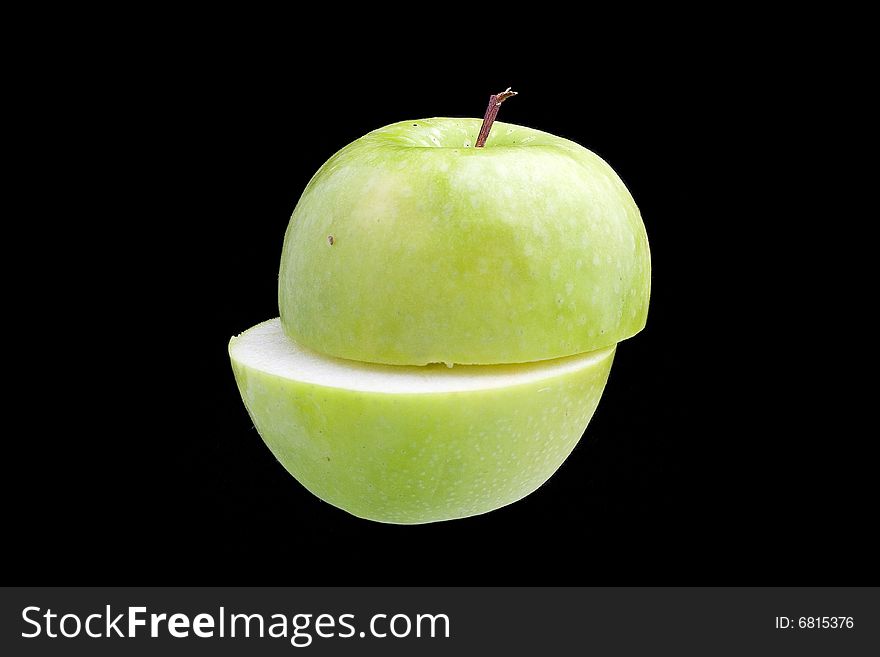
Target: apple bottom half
{"points": [[415, 444]]}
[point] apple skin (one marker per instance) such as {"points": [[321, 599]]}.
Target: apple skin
{"points": [[412, 457], [528, 249]]}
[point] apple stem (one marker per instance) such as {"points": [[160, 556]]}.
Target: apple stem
{"points": [[495, 101]]}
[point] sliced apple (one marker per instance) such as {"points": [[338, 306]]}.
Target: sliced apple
{"points": [[407, 444]]}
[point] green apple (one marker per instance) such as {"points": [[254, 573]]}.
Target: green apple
{"points": [[520, 264], [414, 444], [409, 246]]}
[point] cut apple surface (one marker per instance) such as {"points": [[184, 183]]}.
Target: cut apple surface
{"points": [[407, 444]]}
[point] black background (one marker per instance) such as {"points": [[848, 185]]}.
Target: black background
{"points": [[692, 471]]}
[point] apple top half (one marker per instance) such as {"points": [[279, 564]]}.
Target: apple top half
{"points": [[410, 246]]}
